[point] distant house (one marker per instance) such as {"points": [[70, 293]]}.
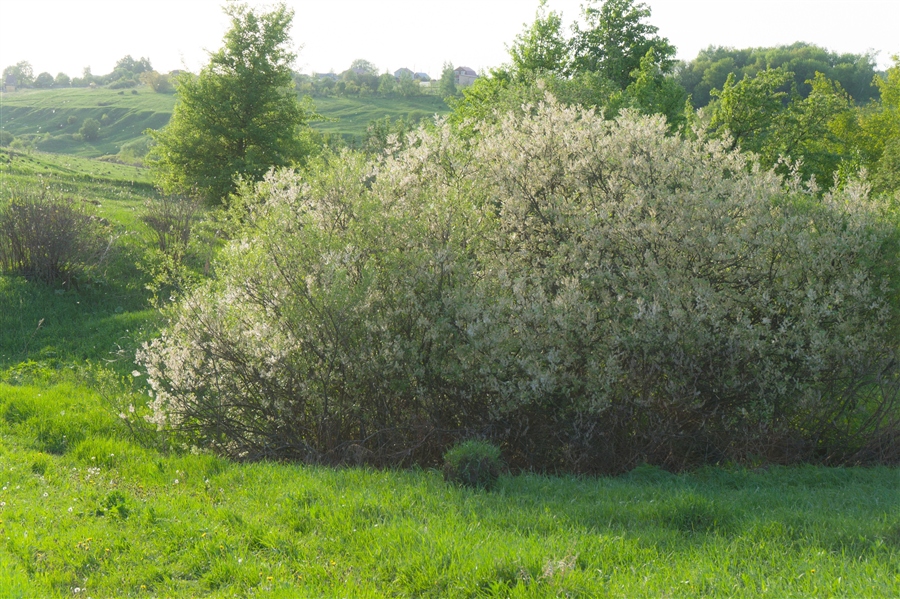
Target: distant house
{"points": [[10, 83], [403, 72], [421, 77], [463, 76]]}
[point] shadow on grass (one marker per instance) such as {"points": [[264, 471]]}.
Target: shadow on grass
{"points": [[57, 326]]}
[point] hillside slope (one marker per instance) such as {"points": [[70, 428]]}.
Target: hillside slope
{"points": [[50, 120]]}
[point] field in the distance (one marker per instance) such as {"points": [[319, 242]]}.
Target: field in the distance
{"points": [[51, 119], [94, 503]]}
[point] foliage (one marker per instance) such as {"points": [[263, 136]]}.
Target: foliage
{"points": [[179, 228], [386, 135], [615, 39], [779, 127], [47, 237], [473, 463], [367, 297], [90, 129], [43, 80], [542, 49], [239, 117], [129, 65], [595, 293], [447, 83], [386, 84], [871, 131], [710, 69], [649, 280], [23, 73], [158, 82], [407, 85], [652, 92], [364, 66], [586, 70]]}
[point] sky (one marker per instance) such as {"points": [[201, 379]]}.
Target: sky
{"points": [[69, 35]]}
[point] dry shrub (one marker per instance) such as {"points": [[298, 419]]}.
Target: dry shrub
{"points": [[172, 219], [46, 236]]}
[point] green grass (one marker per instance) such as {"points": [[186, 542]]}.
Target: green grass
{"points": [[105, 514], [43, 116], [92, 498], [353, 115], [103, 318]]}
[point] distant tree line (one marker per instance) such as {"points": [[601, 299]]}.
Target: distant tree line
{"points": [[711, 69], [362, 79], [128, 72]]}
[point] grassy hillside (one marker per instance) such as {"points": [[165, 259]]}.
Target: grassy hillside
{"points": [[348, 117], [50, 120]]}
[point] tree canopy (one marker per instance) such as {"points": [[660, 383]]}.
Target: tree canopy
{"points": [[615, 39], [240, 116], [711, 67]]}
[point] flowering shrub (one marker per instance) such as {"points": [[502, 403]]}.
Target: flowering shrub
{"points": [[333, 324], [592, 294], [697, 305]]}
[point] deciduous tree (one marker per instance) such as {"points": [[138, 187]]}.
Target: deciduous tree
{"points": [[240, 116], [542, 48], [22, 71], [615, 39], [447, 85]]}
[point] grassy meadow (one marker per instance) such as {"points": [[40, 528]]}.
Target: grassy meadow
{"points": [[50, 120], [95, 503]]}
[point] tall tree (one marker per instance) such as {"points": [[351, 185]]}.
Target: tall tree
{"points": [[542, 48], [655, 92], [615, 39], [448, 81], [240, 116]]}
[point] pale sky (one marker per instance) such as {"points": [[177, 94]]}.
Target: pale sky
{"points": [[68, 35]]}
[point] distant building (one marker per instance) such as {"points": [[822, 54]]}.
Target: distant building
{"points": [[403, 72], [421, 77], [10, 83], [463, 76]]}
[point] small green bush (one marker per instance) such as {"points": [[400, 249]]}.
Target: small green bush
{"points": [[474, 464], [6, 138], [90, 129]]}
